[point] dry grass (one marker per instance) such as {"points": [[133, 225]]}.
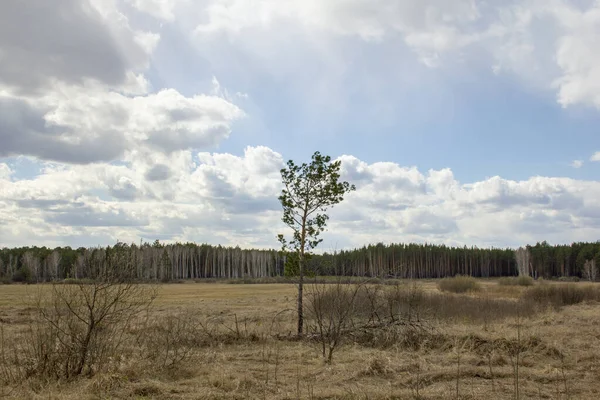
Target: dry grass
{"points": [[559, 295], [516, 281], [223, 345], [459, 284]]}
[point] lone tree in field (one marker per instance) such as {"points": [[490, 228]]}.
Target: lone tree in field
{"points": [[310, 189]]}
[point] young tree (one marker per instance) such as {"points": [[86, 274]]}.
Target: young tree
{"points": [[309, 190]]}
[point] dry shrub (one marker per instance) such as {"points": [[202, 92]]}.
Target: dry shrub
{"points": [[405, 337], [167, 342], [464, 309], [459, 284], [530, 345], [401, 315], [76, 329], [405, 302], [170, 340], [331, 314], [411, 304], [516, 281], [558, 295]]}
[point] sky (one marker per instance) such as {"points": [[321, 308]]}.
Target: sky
{"points": [[464, 122]]}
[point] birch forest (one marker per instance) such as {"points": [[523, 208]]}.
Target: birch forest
{"points": [[158, 262]]}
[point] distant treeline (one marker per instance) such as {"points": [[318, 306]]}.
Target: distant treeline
{"points": [[155, 261]]}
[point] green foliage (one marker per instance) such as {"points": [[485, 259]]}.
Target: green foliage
{"points": [[291, 267], [516, 281], [459, 284], [23, 275], [309, 190]]}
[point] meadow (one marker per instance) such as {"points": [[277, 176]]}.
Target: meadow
{"points": [[501, 339]]}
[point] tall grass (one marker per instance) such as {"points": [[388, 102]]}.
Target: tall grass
{"points": [[516, 281], [558, 295], [459, 284]]}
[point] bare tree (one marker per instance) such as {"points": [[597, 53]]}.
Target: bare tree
{"points": [[589, 270], [53, 261], [523, 261]]}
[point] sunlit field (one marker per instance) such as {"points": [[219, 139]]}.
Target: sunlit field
{"points": [[236, 341]]}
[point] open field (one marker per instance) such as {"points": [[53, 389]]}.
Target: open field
{"points": [[466, 346]]}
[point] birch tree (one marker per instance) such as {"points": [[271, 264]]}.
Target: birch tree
{"points": [[523, 260], [309, 190]]}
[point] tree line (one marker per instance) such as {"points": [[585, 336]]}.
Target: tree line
{"points": [[165, 262]]}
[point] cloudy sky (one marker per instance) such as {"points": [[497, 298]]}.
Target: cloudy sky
{"points": [[460, 121]]}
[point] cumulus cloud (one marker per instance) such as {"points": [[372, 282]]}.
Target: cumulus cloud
{"points": [[25, 130], [549, 44], [430, 26], [91, 216], [121, 159], [159, 172], [83, 98], [229, 199], [87, 124], [595, 157], [69, 41]]}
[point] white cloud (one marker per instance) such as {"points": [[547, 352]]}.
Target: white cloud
{"points": [[430, 27], [5, 171], [576, 163], [232, 200], [89, 124], [105, 48], [71, 106], [161, 9], [595, 156], [551, 45], [123, 159]]}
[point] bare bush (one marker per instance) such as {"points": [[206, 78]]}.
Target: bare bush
{"points": [[558, 295], [331, 310], [78, 329], [405, 302], [459, 284], [169, 341]]}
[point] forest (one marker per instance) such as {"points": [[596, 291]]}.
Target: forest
{"points": [[166, 262]]}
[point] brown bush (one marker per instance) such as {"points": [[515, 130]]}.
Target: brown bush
{"points": [[410, 303], [332, 314], [459, 284], [77, 329], [170, 340], [558, 295]]}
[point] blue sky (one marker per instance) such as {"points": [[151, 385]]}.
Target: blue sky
{"points": [[463, 121]]}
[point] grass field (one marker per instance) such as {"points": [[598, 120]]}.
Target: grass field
{"points": [[247, 351]]}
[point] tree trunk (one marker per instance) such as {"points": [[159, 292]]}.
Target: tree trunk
{"points": [[301, 273], [300, 295]]}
